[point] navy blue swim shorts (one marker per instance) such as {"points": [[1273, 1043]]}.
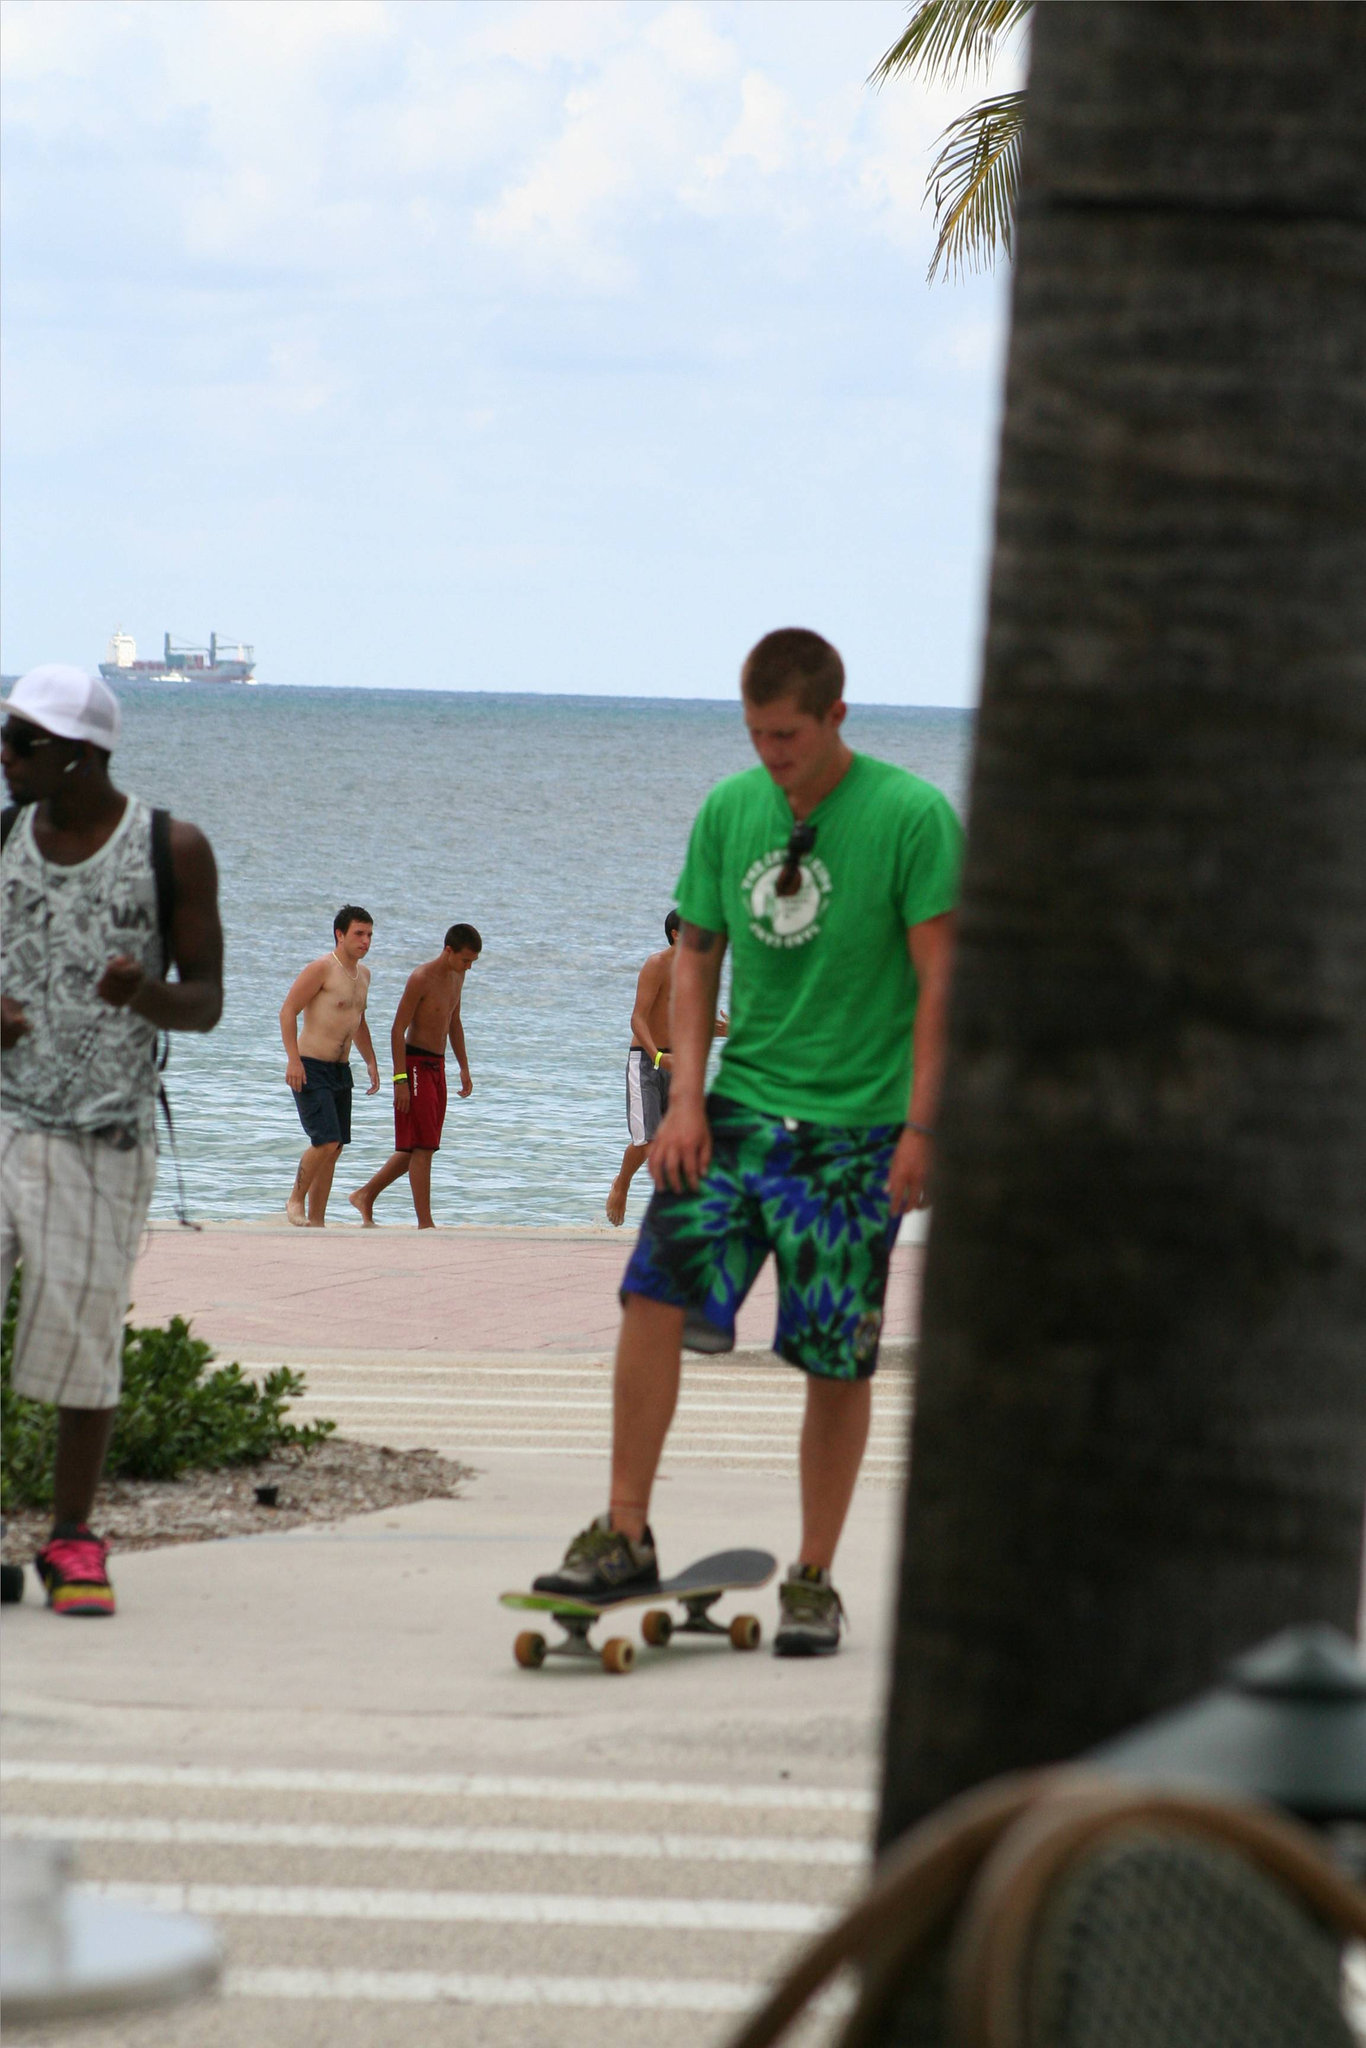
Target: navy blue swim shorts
{"points": [[324, 1101]]}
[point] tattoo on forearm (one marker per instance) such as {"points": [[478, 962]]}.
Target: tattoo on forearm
{"points": [[698, 939]]}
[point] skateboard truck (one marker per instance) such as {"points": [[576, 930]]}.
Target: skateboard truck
{"points": [[658, 1626], [531, 1649]]}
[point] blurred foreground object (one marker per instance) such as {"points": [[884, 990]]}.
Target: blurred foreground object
{"points": [[62, 1954], [1286, 1725], [1139, 1441], [1070, 1909]]}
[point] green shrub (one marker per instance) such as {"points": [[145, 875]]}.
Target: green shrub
{"points": [[173, 1415]]}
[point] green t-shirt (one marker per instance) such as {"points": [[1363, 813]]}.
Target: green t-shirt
{"points": [[823, 991]]}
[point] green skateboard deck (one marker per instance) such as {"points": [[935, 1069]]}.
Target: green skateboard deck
{"points": [[697, 1590]]}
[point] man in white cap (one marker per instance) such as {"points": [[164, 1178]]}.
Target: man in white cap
{"points": [[100, 897]]}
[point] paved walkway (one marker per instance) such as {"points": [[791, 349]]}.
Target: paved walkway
{"points": [[319, 1740], [260, 1288]]}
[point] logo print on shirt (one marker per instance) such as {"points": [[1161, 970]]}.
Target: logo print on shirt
{"points": [[785, 921]]}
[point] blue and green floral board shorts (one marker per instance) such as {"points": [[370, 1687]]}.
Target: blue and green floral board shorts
{"points": [[815, 1195]]}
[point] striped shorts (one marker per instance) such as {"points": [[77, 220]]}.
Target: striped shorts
{"points": [[72, 1209]]}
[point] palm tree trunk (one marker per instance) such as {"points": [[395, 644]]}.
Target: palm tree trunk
{"points": [[1140, 1438]]}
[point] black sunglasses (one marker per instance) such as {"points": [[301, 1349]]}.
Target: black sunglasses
{"points": [[23, 739], [790, 875]]}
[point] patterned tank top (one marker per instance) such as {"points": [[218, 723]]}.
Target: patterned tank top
{"points": [[83, 1066]]}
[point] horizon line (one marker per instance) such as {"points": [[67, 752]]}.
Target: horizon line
{"points": [[525, 690]]}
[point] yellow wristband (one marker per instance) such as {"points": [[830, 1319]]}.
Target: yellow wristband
{"points": [[398, 1077], [658, 1057]]}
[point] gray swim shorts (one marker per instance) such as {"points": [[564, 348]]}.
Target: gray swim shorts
{"points": [[647, 1095]]}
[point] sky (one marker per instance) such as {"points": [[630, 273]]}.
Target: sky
{"points": [[489, 344]]}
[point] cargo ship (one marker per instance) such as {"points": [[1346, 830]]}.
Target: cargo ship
{"points": [[222, 661]]}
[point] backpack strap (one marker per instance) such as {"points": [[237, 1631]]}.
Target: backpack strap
{"points": [[164, 872]]}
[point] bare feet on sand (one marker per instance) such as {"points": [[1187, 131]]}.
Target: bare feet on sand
{"points": [[367, 1209], [294, 1209], [616, 1203]]}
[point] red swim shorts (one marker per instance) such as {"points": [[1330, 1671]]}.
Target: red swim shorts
{"points": [[418, 1128]]}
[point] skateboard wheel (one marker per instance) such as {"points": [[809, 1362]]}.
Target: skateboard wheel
{"points": [[657, 1627], [745, 1632], [529, 1650], [618, 1654]]}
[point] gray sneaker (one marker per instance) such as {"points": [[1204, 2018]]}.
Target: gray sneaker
{"points": [[603, 1564], [809, 1614]]}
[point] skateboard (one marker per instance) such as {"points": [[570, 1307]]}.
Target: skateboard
{"points": [[697, 1590]]}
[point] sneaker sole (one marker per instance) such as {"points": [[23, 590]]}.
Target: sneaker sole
{"points": [[74, 1600], [601, 1596], [803, 1649]]}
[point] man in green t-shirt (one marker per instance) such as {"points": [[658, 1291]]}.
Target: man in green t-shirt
{"points": [[833, 878]]}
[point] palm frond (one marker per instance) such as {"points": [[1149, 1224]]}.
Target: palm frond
{"points": [[944, 39], [973, 182]]}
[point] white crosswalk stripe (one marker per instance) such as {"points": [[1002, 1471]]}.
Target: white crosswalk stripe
{"points": [[601, 1842], [732, 1417], [594, 1791], [486, 1909], [635, 1995], [611, 1938]]}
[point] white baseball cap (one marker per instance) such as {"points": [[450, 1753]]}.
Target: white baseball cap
{"points": [[67, 701]]}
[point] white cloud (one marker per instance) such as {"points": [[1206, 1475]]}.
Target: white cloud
{"points": [[245, 101], [449, 120], [541, 34], [763, 134], [358, 139], [349, 250], [630, 137], [664, 117], [302, 381], [690, 46], [59, 39]]}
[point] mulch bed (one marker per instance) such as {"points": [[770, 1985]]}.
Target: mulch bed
{"points": [[337, 1479]]}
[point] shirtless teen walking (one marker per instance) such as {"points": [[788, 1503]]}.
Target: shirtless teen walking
{"points": [[331, 994], [427, 1017], [648, 1066]]}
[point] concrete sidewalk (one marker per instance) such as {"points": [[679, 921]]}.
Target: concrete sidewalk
{"points": [[320, 1738], [321, 1743]]}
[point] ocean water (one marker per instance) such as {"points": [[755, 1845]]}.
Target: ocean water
{"points": [[556, 825]]}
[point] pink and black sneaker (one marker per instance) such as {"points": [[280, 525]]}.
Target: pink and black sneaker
{"points": [[71, 1564]]}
